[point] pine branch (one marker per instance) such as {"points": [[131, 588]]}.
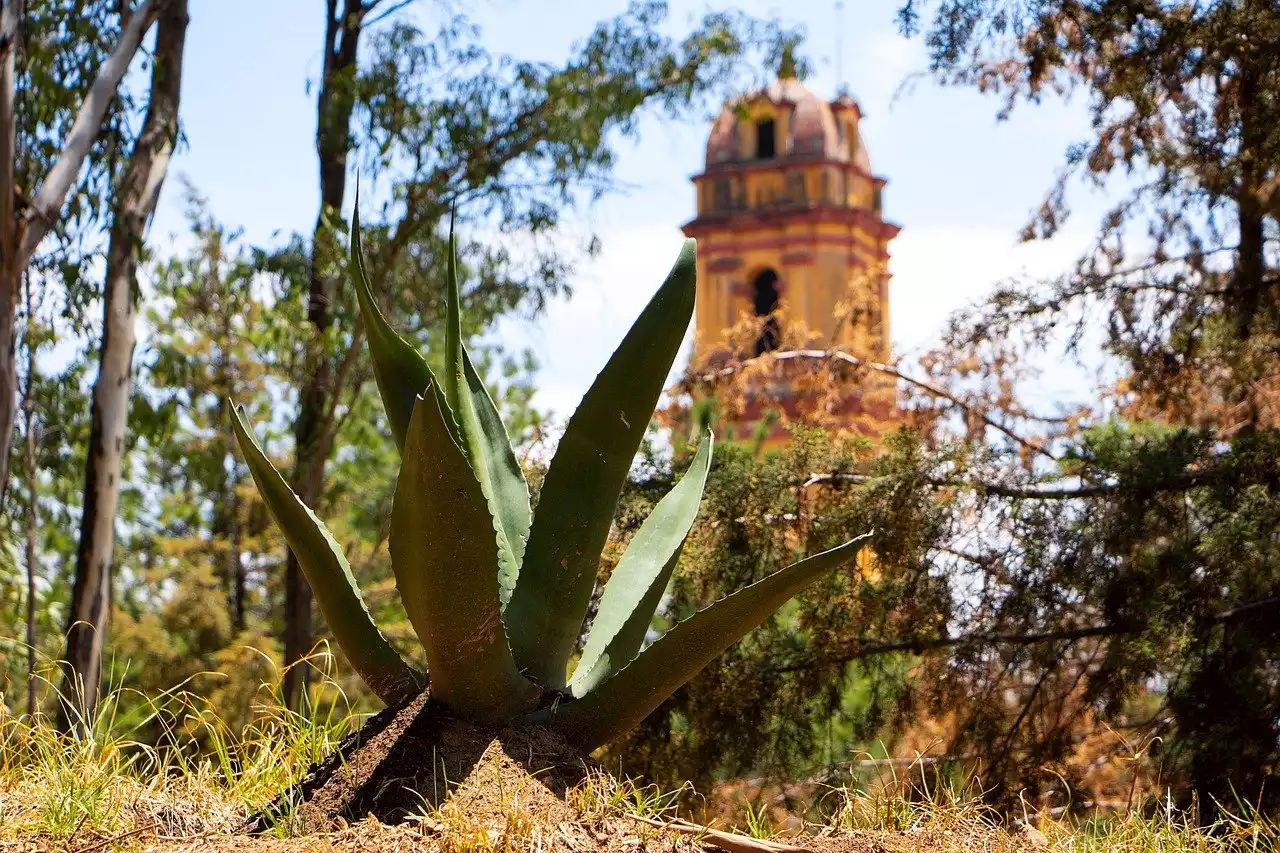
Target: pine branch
{"points": [[864, 648]]}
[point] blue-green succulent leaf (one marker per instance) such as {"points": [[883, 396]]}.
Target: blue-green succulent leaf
{"points": [[453, 376], [635, 588], [329, 575], [500, 475], [443, 553], [484, 439], [399, 369], [580, 492], [402, 374], [618, 704]]}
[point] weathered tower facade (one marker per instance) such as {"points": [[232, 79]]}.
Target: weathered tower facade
{"points": [[790, 232]]}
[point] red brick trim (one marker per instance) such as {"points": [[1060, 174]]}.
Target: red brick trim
{"points": [[724, 264], [742, 220], [797, 244]]}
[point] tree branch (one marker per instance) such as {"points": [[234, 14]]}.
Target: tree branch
{"points": [[888, 370], [1187, 481], [864, 648], [332, 424], [385, 13], [53, 192]]}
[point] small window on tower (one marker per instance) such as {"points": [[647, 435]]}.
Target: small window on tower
{"points": [[764, 139]]}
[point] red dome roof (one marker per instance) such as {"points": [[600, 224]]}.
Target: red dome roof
{"points": [[815, 125]]}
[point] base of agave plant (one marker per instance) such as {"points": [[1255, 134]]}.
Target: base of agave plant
{"points": [[412, 759]]}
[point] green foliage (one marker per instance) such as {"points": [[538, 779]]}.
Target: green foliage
{"points": [[1011, 618], [816, 702], [457, 520], [1164, 549]]}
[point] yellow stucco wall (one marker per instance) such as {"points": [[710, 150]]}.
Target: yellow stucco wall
{"points": [[811, 212], [828, 273]]}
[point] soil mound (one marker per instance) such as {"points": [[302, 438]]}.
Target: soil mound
{"points": [[416, 759]]}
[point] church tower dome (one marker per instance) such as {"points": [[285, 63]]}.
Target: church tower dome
{"points": [[789, 223], [816, 128]]}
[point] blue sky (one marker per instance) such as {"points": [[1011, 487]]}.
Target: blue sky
{"points": [[961, 184]]}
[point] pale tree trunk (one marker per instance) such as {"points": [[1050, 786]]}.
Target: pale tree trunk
{"points": [[29, 416], [19, 238], [136, 200], [312, 432], [227, 519], [239, 603], [10, 239]]}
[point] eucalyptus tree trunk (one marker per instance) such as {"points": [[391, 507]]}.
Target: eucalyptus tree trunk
{"points": [[226, 522], [313, 430], [136, 199], [10, 238], [20, 235], [29, 415]]}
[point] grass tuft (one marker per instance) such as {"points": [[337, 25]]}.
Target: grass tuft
{"points": [[173, 767], [176, 770]]}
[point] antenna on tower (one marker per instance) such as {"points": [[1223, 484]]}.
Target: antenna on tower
{"points": [[840, 87]]}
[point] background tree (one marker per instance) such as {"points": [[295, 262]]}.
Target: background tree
{"points": [[135, 201], [1184, 99], [1075, 582], [43, 58]]}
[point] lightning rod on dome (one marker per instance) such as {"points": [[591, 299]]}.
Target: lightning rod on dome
{"points": [[841, 88]]}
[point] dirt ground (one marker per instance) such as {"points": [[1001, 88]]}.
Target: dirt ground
{"points": [[443, 785], [615, 836]]}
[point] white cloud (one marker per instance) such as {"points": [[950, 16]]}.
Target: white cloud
{"points": [[939, 270]]}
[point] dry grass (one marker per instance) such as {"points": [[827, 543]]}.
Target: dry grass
{"points": [[107, 790], [943, 818], [110, 777]]}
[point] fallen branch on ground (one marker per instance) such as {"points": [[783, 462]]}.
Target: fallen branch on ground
{"points": [[731, 841]]}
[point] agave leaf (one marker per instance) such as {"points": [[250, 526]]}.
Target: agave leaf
{"points": [[484, 439], [500, 475], [330, 578], [400, 370], [443, 552], [618, 704], [403, 374], [452, 325], [582, 485], [633, 592]]}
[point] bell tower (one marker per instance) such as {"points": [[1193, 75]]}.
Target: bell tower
{"points": [[790, 233]]}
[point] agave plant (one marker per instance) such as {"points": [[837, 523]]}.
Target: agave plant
{"points": [[497, 594]]}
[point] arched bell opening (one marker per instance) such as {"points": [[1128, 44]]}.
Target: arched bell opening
{"points": [[765, 296]]}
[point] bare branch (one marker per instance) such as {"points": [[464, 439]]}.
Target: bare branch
{"points": [[385, 13], [888, 370], [1182, 483]]}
